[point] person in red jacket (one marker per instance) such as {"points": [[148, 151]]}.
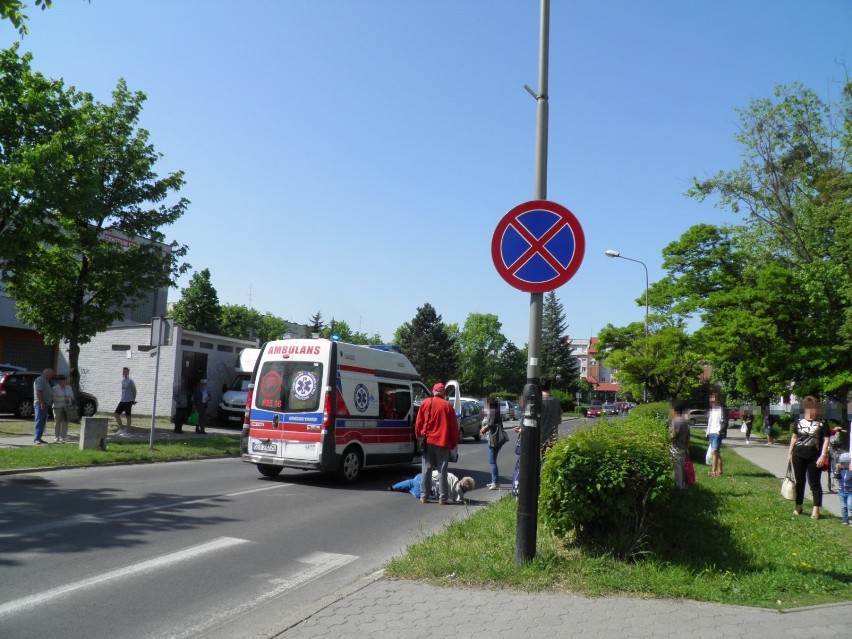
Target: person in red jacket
{"points": [[437, 420]]}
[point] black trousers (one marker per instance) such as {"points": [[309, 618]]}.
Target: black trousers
{"points": [[805, 465]]}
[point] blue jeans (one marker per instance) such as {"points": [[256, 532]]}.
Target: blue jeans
{"points": [[492, 463], [845, 506], [40, 420], [409, 486]]}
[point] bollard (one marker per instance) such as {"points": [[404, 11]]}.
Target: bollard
{"points": [[93, 433]]}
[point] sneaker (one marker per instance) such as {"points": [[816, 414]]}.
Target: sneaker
{"points": [[39, 442], [442, 502], [123, 433], [493, 486], [797, 511], [424, 499]]}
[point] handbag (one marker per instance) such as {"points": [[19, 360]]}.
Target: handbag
{"points": [[708, 458], [193, 418], [743, 428], [421, 445], [788, 484], [689, 471], [824, 465]]}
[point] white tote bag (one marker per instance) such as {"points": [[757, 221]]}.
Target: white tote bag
{"points": [[708, 458]]}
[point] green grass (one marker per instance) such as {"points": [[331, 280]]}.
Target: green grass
{"points": [[730, 540], [118, 451]]}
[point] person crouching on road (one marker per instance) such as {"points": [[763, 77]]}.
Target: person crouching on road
{"points": [[457, 487], [437, 420]]}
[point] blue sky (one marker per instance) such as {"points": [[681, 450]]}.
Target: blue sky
{"points": [[353, 157]]}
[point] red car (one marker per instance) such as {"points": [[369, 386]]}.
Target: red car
{"points": [[735, 413], [593, 411]]}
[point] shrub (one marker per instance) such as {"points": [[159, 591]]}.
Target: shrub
{"points": [[657, 410], [603, 483]]}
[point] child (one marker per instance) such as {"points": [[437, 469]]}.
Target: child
{"points": [[843, 474]]}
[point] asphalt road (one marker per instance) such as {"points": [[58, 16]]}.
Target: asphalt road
{"points": [[200, 549]]}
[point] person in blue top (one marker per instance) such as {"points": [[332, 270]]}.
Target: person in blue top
{"points": [[843, 474]]}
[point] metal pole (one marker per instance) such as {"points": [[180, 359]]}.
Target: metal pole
{"points": [[529, 475], [156, 380]]}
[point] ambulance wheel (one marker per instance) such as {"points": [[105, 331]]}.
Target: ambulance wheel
{"points": [[268, 470], [351, 465]]}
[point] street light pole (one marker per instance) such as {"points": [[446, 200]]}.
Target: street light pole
{"points": [[613, 253]]}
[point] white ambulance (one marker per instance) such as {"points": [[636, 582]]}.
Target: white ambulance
{"points": [[318, 404]]}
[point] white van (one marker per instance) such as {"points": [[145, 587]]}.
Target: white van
{"points": [[318, 404], [232, 408]]}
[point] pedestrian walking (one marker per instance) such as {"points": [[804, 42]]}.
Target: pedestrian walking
{"points": [[767, 429], [42, 400], [200, 400], [844, 486], [493, 426], [63, 399], [125, 403], [808, 453], [748, 422], [551, 416], [437, 421], [717, 430], [679, 448]]}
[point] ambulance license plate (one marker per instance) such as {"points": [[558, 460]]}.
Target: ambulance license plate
{"points": [[264, 447]]}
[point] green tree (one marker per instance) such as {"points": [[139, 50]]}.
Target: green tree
{"points": [[198, 308], [793, 187], [481, 344], [13, 11], [664, 363], [240, 322], [34, 113], [512, 369], [428, 344], [96, 183], [315, 323], [557, 361], [271, 327]]}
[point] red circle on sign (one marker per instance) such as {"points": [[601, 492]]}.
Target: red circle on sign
{"points": [[538, 246]]}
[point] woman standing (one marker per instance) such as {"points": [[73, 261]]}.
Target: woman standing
{"points": [[63, 399], [493, 425], [809, 454]]}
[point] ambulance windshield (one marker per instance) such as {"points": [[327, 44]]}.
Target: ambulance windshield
{"points": [[287, 387]]}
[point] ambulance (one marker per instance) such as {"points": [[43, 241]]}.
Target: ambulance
{"points": [[319, 404]]}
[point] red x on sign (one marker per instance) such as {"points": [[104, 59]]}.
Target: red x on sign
{"points": [[538, 246]]}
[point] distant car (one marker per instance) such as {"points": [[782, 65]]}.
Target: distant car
{"points": [[470, 420], [697, 417], [16, 396], [11, 368], [507, 413], [735, 413], [610, 409], [516, 410], [593, 411]]}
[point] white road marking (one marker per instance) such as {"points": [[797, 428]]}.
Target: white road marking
{"points": [[319, 563], [42, 598]]}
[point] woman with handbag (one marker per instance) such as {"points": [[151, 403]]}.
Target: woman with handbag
{"points": [[493, 426], [809, 455]]}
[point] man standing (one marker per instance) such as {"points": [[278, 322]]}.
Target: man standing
{"points": [[125, 404], [42, 400], [437, 420], [551, 416]]}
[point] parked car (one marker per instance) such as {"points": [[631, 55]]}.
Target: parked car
{"points": [[593, 411], [516, 410], [610, 409], [734, 413], [697, 417], [507, 413], [16, 395], [470, 420], [11, 368]]}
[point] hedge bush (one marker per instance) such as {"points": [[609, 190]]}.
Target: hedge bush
{"points": [[603, 483]]}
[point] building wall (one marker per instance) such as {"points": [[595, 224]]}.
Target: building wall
{"points": [[102, 359]]}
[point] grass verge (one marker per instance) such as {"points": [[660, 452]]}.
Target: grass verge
{"points": [[729, 540]]}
